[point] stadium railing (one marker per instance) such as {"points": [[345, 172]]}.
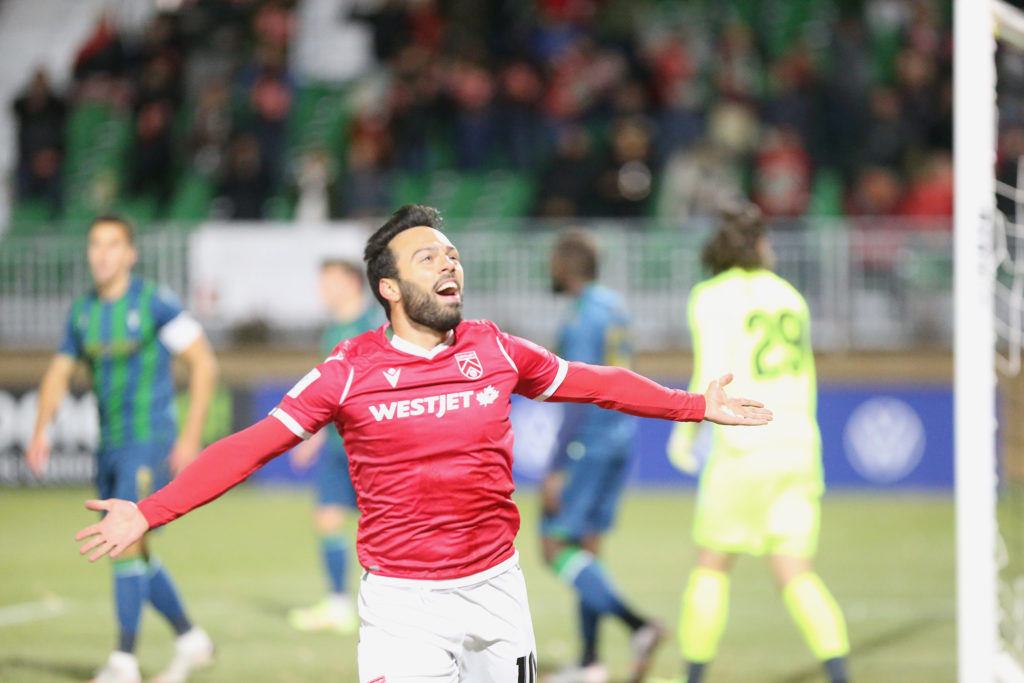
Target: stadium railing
{"points": [[883, 284]]}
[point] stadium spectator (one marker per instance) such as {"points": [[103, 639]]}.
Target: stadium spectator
{"points": [[152, 153], [100, 63], [210, 129], [245, 183], [414, 103], [41, 116], [626, 177], [757, 496], [794, 99], [365, 182], [351, 313], [931, 190], [518, 118], [890, 137], [126, 330], [565, 182], [678, 93], [423, 405], [390, 27], [782, 174], [315, 187], [590, 464], [471, 89], [696, 182], [270, 101], [877, 192]]}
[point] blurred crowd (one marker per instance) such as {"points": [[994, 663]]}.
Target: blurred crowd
{"points": [[612, 107], [207, 88]]}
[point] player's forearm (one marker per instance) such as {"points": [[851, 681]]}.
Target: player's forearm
{"points": [[202, 383], [220, 466], [627, 392], [52, 390]]}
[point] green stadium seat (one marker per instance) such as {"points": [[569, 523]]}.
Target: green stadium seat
{"points": [[409, 188], [192, 198], [826, 194]]}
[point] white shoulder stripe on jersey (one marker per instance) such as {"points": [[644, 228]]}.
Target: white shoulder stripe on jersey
{"points": [[505, 353], [348, 385], [179, 332], [563, 369], [291, 423], [300, 386]]}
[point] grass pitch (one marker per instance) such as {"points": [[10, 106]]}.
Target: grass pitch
{"points": [[244, 560]]}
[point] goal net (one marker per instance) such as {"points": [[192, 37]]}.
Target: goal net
{"points": [[989, 385]]}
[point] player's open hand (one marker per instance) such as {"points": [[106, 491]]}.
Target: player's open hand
{"points": [[123, 526], [723, 410], [38, 454]]}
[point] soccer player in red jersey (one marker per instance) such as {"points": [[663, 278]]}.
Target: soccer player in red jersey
{"points": [[423, 406]]}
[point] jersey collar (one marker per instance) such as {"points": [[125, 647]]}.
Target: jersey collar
{"points": [[406, 346]]}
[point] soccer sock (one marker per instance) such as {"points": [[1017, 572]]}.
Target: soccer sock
{"points": [[582, 570], [334, 549], [164, 596], [817, 615], [836, 670], [131, 586], [702, 617], [588, 632]]}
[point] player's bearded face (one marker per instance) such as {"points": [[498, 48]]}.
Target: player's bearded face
{"points": [[424, 306]]}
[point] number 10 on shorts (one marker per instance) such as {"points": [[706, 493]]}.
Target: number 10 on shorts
{"points": [[527, 668]]}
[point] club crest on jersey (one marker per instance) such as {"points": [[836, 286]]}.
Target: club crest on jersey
{"points": [[469, 364]]}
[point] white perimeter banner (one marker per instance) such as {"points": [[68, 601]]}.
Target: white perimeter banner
{"points": [[243, 272]]}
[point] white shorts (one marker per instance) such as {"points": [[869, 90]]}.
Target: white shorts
{"points": [[475, 629]]}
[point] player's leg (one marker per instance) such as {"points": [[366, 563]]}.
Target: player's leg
{"points": [[589, 500], [407, 634], [141, 470], [647, 633], [704, 611], [129, 578], [499, 644], [728, 519], [562, 532], [793, 525], [335, 497]]}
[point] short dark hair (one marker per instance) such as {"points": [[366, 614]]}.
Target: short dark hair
{"points": [[346, 266], [735, 242], [380, 260], [125, 223], [578, 251]]}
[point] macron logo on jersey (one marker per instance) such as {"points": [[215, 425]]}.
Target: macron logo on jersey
{"points": [[438, 405], [391, 375]]}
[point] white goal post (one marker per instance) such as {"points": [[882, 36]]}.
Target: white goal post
{"points": [[977, 26], [974, 122]]}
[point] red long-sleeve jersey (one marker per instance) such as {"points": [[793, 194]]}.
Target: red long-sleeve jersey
{"points": [[428, 438]]}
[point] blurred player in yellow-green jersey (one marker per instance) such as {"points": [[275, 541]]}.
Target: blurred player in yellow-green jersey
{"points": [[760, 492]]}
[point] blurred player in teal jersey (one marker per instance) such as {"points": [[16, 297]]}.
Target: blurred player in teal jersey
{"points": [[352, 313], [591, 462], [126, 330], [759, 493]]}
